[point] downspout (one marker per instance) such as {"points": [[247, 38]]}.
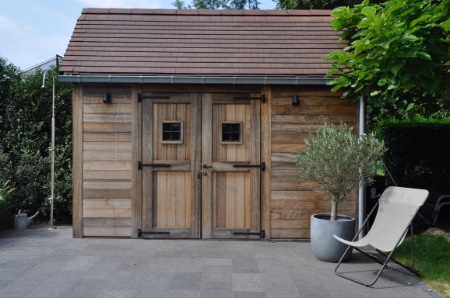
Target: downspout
{"points": [[362, 187]]}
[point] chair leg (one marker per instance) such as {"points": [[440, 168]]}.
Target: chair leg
{"points": [[410, 268], [413, 272], [383, 263], [360, 281], [438, 207]]}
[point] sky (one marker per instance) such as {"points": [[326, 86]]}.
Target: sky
{"points": [[33, 31]]}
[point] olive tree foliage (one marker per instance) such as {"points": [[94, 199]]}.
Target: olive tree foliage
{"points": [[217, 4], [398, 55], [25, 130], [339, 161]]}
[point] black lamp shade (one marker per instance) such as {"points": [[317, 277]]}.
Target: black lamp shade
{"points": [[295, 100], [107, 98]]}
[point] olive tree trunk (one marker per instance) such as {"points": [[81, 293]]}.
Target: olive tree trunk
{"points": [[334, 207]]}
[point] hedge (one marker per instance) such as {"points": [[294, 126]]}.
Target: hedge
{"points": [[25, 130], [418, 153]]}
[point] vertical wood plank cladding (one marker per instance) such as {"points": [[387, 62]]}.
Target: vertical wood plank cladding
{"points": [[147, 157], [266, 153], [107, 155], [293, 200], [77, 168], [207, 158], [253, 187], [174, 200], [136, 176], [232, 204], [196, 136]]}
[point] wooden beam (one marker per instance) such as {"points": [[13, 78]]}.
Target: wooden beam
{"points": [[77, 167], [136, 176], [266, 153]]}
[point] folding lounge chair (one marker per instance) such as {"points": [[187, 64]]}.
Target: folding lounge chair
{"points": [[397, 207], [441, 202]]}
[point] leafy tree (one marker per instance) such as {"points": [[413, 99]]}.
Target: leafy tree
{"points": [[314, 4], [207, 4], [217, 4], [242, 4], [339, 161], [397, 55], [179, 4], [25, 127]]}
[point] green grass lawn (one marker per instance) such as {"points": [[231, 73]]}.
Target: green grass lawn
{"points": [[432, 260]]}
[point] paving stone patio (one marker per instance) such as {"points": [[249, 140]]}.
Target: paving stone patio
{"points": [[38, 262]]}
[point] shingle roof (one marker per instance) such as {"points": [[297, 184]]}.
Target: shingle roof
{"points": [[201, 42]]}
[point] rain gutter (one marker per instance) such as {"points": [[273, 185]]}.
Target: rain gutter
{"points": [[204, 80]]}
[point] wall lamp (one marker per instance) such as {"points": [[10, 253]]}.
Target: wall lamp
{"points": [[106, 98], [295, 100]]}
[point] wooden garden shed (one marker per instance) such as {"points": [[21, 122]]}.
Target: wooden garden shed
{"points": [[186, 123]]}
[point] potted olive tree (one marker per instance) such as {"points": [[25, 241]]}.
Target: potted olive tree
{"points": [[339, 162]]}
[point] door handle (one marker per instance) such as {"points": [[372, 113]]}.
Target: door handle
{"points": [[205, 166]]}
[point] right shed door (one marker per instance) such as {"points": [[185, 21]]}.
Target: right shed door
{"points": [[231, 165]]}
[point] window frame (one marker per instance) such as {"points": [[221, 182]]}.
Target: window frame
{"points": [[241, 135], [181, 140]]}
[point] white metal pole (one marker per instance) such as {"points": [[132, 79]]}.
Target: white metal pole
{"points": [[362, 188], [53, 155]]}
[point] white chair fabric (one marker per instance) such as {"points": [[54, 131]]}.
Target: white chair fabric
{"points": [[397, 208]]}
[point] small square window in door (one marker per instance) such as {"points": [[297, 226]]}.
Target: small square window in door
{"points": [[172, 132], [232, 132]]}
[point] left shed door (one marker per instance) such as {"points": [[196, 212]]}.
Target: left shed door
{"points": [[171, 123]]}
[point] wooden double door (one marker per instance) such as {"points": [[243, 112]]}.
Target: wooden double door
{"points": [[201, 165]]}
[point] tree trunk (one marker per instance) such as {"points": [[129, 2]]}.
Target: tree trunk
{"points": [[334, 207]]}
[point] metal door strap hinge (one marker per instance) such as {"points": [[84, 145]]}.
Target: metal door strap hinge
{"points": [[140, 232], [262, 166], [262, 98], [140, 97], [153, 165], [262, 234]]}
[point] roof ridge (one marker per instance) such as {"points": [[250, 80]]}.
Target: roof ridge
{"points": [[210, 12]]}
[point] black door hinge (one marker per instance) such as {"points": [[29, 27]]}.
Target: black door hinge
{"points": [[140, 233], [261, 234], [262, 166], [152, 165]]}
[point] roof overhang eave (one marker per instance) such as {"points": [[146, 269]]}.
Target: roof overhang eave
{"points": [[204, 80]]}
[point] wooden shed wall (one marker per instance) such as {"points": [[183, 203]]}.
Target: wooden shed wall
{"points": [[293, 201], [106, 179], [106, 149]]}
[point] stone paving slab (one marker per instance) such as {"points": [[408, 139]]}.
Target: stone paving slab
{"points": [[38, 262]]}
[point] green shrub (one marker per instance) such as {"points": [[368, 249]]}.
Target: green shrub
{"points": [[418, 156], [417, 153], [6, 213], [25, 127]]}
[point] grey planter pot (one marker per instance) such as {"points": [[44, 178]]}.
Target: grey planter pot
{"points": [[324, 246]]}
